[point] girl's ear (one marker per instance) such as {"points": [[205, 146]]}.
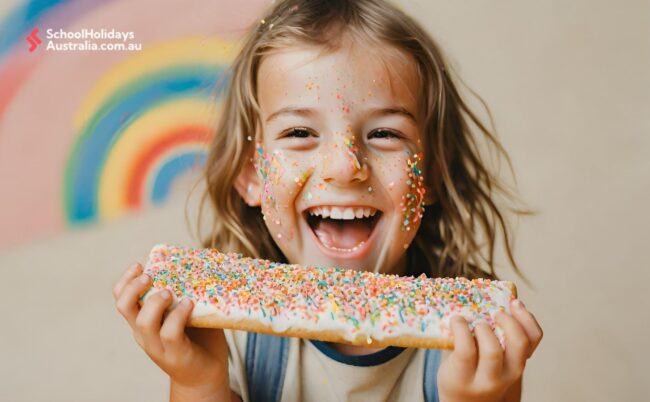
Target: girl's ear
{"points": [[249, 185]]}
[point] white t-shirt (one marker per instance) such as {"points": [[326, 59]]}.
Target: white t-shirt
{"points": [[316, 372]]}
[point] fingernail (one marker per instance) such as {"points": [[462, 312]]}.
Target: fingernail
{"points": [[186, 302], [144, 278], [164, 294]]}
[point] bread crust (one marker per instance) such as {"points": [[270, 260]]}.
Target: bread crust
{"points": [[214, 321]]}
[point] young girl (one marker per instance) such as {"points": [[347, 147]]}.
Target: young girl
{"points": [[344, 142]]}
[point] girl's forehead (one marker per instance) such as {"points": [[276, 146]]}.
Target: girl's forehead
{"points": [[350, 71]]}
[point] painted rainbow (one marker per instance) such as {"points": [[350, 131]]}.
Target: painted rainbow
{"points": [[146, 123]]}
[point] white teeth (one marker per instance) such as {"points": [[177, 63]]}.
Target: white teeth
{"points": [[347, 250], [355, 248], [346, 213]]}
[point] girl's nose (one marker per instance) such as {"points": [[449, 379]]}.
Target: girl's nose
{"points": [[344, 164]]}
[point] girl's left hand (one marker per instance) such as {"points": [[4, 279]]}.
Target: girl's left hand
{"points": [[479, 369]]}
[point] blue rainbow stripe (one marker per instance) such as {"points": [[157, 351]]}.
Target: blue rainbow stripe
{"points": [[22, 20], [173, 168]]}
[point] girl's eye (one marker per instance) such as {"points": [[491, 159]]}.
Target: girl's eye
{"points": [[383, 134], [298, 133], [298, 138]]}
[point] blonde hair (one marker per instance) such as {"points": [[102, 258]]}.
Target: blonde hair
{"points": [[463, 188]]}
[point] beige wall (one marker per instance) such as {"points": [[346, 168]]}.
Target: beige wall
{"points": [[568, 85]]}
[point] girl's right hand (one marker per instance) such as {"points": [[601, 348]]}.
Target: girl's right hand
{"points": [[196, 359]]}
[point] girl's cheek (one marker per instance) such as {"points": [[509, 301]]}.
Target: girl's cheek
{"points": [[405, 185], [282, 179], [271, 173], [412, 203]]}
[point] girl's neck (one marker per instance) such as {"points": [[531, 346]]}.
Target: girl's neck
{"points": [[351, 350]]}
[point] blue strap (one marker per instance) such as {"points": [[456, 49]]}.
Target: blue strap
{"points": [[431, 363], [266, 363]]}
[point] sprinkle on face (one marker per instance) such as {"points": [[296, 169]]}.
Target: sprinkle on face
{"points": [[311, 85], [352, 150], [271, 171], [300, 180], [345, 106], [268, 165], [412, 202]]}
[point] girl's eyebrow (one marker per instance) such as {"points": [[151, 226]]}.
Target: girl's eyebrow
{"points": [[399, 110], [291, 111]]}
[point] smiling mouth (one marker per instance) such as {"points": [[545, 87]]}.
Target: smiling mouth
{"points": [[343, 229]]}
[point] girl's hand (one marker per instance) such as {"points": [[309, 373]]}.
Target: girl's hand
{"points": [[479, 369], [195, 359]]}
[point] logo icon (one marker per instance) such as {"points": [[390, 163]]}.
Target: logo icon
{"points": [[33, 40]]}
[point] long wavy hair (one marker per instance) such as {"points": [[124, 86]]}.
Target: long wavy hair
{"points": [[459, 230]]}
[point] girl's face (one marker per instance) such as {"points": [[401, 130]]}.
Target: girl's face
{"points": [[338, 156]]}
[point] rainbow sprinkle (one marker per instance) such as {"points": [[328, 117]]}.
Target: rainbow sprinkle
{"points": [[412, 202], [352, 151], [361, 303]]}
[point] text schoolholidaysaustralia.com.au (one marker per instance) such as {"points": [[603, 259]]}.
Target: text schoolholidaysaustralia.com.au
{"points": [[91, 40]]}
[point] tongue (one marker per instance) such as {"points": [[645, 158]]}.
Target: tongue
{"points": [[342, 233]]}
